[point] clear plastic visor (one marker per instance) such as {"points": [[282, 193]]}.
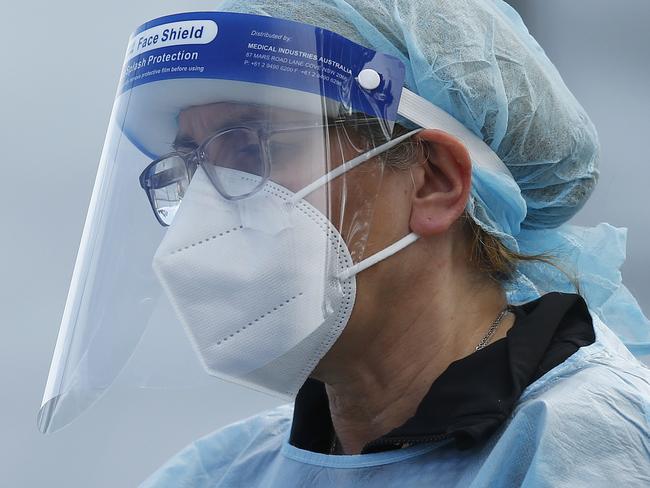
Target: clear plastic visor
{"points": [[117, 320]]}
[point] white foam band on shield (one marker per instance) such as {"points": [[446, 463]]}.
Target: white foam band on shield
{"points": [[380, 256], [353, 163], [425, 114]]}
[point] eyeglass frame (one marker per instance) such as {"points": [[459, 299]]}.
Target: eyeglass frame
{"points": [[197, 156]]}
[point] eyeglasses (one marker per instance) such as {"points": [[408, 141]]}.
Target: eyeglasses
{"points": [[247, 149]]}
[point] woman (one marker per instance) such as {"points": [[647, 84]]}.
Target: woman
{"points": [[469, 358]]}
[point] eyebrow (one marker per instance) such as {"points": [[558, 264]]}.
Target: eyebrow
{"points": [[184, 141]]}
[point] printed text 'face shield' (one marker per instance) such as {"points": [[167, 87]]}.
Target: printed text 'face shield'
{"points": [[234, 195]]}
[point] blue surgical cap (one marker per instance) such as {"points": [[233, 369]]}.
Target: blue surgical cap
{"points": [[476, 60]]}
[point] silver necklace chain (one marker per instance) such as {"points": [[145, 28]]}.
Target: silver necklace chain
{"points": [[484, 342], [495, 325]]}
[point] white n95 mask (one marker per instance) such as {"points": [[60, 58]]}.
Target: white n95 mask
{"points": [[263, 285]]}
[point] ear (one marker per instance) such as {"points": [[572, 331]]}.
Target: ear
{"points": [[442, 183]]}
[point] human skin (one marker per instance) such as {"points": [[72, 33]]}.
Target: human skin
{"points": [[415, 312]]}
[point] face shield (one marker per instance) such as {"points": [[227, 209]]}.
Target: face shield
{"points": [[232, 207]]}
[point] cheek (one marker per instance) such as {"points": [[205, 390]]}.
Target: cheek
{"points": [[369, 208], [297, 169], [348, 202], [329, 200], [392, 212]]}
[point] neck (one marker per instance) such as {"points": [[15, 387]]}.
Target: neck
{"points": [[380, 369]]}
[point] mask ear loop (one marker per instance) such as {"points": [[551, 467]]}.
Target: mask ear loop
{"points": [[385, 253], [380, 256], [353, 163]]}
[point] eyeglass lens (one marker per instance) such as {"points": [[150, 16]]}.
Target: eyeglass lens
{"points": [[234, 161], [168, 181]]}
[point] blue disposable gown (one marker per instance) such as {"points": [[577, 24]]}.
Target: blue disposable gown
{"points": [[584, 423]]}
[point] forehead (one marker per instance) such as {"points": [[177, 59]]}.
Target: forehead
{"points": [[200, 121]]}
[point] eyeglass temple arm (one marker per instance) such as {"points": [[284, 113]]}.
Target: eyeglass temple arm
{"points": [[165, 178], [353, 163]]}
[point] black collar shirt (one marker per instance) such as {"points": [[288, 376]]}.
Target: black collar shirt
{"points": [[474, 395]]}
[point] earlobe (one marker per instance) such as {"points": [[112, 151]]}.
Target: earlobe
{"points": [[442, 183]]}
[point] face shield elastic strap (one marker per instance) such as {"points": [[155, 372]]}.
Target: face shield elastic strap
{"points": [[335, 173]]}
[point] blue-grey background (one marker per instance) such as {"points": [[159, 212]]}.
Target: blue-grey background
{"points": [[58, 73]]}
